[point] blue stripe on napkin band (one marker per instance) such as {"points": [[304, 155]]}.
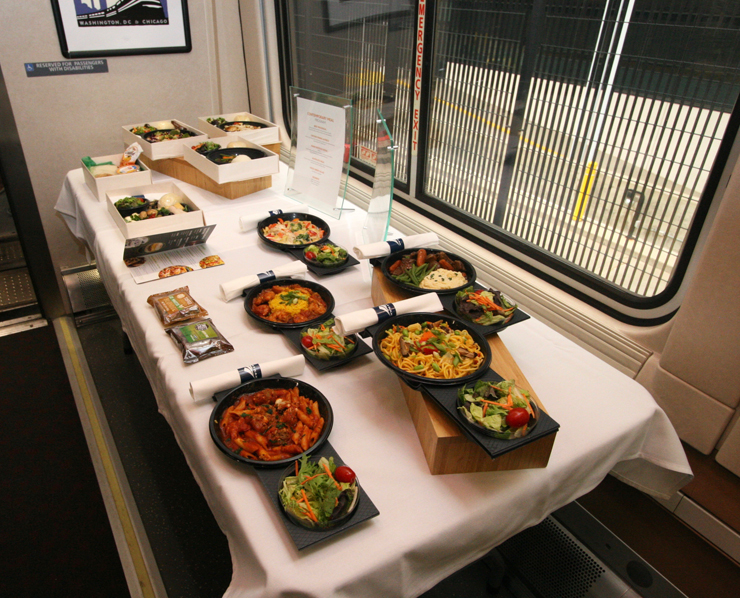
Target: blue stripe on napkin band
{"points": [[395, 245], [385, 311], [266, 276], [275, 212], [250, 372]]}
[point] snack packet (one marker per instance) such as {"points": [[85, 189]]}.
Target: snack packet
{"points": [[199, 340], [176, 306]]}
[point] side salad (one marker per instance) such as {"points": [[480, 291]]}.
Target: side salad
{"points": [[320, 494], [484, 307], [326, 254], [322, 342], [503, 409]]}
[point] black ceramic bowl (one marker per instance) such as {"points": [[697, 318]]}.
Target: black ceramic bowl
{"points": [[474, 425], [292, 216], [414, 380], [167, 135], [391, 259], [235, 126], [325, 265], [341, 518], [226, 155], [253, 386], [125, 212], [322, 291], [336, 358]]}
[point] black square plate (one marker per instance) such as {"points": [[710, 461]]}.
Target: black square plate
{"points": [[303, 538], [446, 397]]}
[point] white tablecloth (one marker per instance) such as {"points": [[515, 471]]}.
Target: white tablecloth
{"points": [[429, 526]]}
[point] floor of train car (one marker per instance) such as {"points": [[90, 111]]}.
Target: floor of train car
{"points": [[51, 491]]}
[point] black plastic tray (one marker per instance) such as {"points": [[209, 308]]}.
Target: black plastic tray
{"points": [[302, 537], [446, 397]]}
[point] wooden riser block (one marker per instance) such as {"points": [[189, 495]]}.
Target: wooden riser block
{"points": [[446, 448], [182, 170]]}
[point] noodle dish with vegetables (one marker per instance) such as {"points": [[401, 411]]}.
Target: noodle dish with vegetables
{"points": [[501, 409], [432, 350]]}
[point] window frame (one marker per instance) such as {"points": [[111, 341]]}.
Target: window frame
{"points": [[608, 298]]}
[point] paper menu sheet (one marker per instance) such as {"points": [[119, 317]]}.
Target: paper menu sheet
{"points": [[320, 149], [172, 263]]}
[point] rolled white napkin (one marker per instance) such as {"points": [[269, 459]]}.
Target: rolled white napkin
{"points": [[382, 248], [233, 288], [206, 388], [361, 319], [250, 221]]}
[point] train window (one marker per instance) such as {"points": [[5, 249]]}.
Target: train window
{"points": [[587, 135]]}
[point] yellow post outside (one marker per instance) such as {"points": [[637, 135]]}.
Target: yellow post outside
{"points": [[585, 191]]}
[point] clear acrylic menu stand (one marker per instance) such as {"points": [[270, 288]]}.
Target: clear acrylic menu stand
{"points": [[379, 210], [320, 144]]}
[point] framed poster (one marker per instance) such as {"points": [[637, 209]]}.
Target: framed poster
{"points": [[91, 28]]}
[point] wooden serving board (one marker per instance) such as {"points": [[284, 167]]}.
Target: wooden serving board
{"points": [[181, 169], [446, 448]]}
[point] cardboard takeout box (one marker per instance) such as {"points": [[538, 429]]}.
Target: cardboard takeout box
{"points": [[143, 228], [101, 185], [172, 148], [239, 171]]}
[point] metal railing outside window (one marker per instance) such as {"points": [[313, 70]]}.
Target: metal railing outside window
{"points": [[586, 131]]}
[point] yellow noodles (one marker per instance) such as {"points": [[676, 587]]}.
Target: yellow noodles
{"points": [[432, 350]]}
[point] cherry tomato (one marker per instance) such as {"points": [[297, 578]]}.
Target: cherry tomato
{"points": [[310, 255], [517, 417], [307, 341], [428, 350], [344, 474]]}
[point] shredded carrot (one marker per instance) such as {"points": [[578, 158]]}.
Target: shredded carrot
{"points": [[333, 346], [328, 472], [312, 477], [308, 505], [485, 408], [296, 468]]}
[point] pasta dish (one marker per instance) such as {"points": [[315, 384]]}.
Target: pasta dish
{"points": [[432, 350], [271, 424], [293, 232]]}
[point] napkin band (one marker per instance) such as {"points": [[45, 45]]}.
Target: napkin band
{"points": [[396, 245], [250, 372], [266, 276], [274, 212], [385, 311]]}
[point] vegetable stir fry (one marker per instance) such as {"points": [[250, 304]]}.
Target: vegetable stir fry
{"points": [[484, 307], [503, 408], [320, 494]]}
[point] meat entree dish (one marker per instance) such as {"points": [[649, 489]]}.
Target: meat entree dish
{"points": [[288, 304]]}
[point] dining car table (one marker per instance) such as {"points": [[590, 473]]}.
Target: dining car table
{"points": [[425, 526]]}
